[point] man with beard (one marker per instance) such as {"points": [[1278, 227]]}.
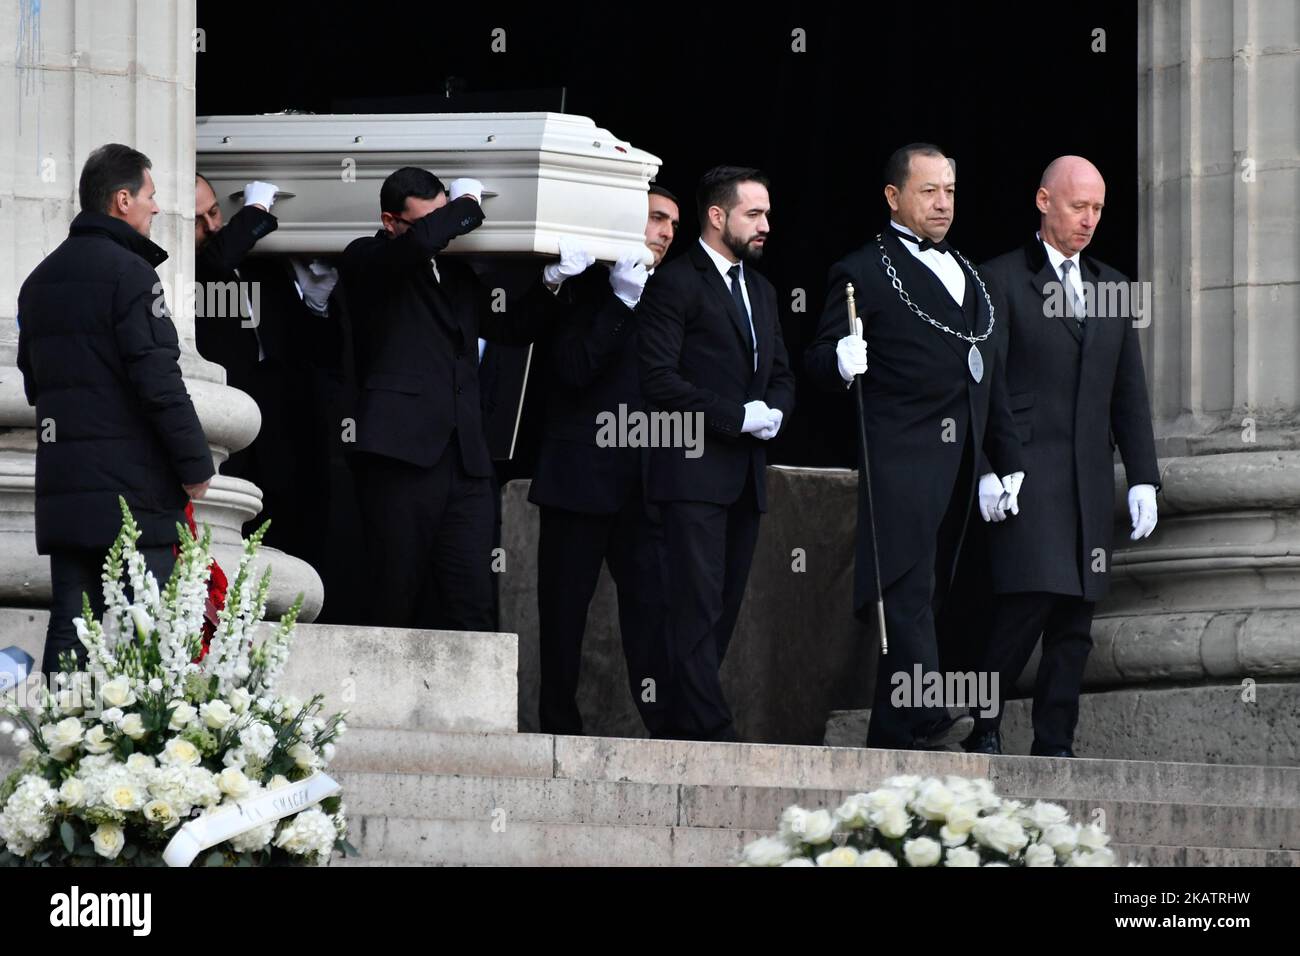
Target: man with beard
{"points": [[592, 497], [710, 347], [933, 398], [1077, 391]]}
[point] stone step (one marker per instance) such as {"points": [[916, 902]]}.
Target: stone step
{"points": [[621, 803], [800, 767], [398, 841]]}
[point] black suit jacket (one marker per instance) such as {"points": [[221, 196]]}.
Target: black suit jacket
{"points": [[415, 339], [694, 357], [1075, 395], [592, 365], [920, 402], [228, 340]]}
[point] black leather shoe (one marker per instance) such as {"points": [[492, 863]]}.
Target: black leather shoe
{"points": [[1037, 751], [987, 742], [946, 732]]}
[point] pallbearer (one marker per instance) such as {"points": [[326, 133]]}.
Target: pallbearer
{"points": [[934, 408], [592, 495]]}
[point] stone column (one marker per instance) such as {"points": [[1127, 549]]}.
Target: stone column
{"points": [[1212, 599], [82, 73]]}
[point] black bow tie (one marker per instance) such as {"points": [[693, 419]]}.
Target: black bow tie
{"points": [[922, 244]]}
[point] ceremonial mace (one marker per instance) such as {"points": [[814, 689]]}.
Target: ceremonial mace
{"points": [[866, 477]]}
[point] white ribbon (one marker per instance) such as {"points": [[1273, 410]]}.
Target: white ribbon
{"points": [[232, 819]]}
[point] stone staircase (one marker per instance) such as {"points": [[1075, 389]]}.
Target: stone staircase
{"points": [[431, 799], [434, 773]]}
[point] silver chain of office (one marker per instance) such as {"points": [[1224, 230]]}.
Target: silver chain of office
{"points": [[907, 300]]}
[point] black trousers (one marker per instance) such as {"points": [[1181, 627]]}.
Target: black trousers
{"points": [[570, 552], [912, 604], [74, 573], [429, 535], [709, 548], [1065, 624]]}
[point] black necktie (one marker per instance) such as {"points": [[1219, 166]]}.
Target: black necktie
{"points": [[922, 244], [739, 296]]}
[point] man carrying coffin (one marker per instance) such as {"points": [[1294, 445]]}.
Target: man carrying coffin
{"points": [[592, 496], [1077, 391], [421, 462], [934, 399]]}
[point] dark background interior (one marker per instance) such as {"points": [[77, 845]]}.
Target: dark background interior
{"points": [[1003, 88]]}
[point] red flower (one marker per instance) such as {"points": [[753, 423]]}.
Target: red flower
{"points": [[217, 585]]}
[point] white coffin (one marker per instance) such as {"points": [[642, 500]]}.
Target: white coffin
{"points": [[545, 175]]}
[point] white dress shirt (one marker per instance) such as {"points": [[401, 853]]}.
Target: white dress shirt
{"points": [[942, 264], [724, 267], [1055, 258]]}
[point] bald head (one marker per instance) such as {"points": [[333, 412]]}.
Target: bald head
{"points": [[1070, 198]]}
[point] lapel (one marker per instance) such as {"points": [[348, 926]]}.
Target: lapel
{"points": [[1040, 274], [913, 275], [723, 300]]}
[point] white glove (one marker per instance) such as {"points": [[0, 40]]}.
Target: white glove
{"points": [[628, 278], [757, 417], [1012, 483], [1142, 510], [315, 283], [259, 193], [574, 260], [466, 187], [991, 492], [851, 356], [773, 425]]}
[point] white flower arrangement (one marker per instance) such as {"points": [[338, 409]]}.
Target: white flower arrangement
{"points": [[183, 729], [911, 821]]}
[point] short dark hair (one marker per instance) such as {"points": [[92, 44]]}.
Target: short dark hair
{"points": [[718, 187], [899, 164], [198, 176], [661, 191], [108, 169], [406, 182]]}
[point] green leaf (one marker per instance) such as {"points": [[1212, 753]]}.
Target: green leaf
{"points": [[131, 852], [215, 858], [350, 850], [68, 835], [40, 856]]}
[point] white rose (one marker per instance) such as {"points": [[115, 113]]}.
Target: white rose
{"points": [[962, 817], [1093, 837], [277, 782], [996, 863], [303, 756], [108, 839], [133, 726], [1062, 838], [876, 858], [799, 861], [240, 699], [233, 783], [1001, 833], [183, 715], [818, 828], [216, 714], [112, 716], [881, 801], [62, 737], [140, 764], [155, 686], [903, 782], [1040, 854], [1102, 857], [181, 753], [162, 812], [73, 792], [97, 740], [922, 851], [951, 837], [766, 851], [840, 856], [933, 800], [894, 823], [118, 693], [962, 856], [1042, 815], [124, 796]]}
